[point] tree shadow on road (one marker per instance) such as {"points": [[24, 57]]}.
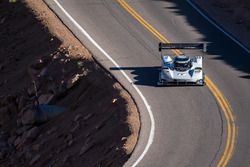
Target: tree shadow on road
{"points": [[221, 46]]}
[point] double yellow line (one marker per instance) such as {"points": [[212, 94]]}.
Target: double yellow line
{"points": [[222, 101], [231, 127]]}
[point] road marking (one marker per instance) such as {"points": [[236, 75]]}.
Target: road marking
{"points": [[230, 123], [85, 33], [146, 24], [222, 101], [219, 27]]}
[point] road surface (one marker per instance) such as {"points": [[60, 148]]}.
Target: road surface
{"points": [[190, 128]]}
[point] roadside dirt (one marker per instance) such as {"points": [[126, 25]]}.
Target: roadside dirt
{"points": [[233, 15], [39, 55]]}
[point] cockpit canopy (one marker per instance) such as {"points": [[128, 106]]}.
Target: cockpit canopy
{"points": [[182, 63]]}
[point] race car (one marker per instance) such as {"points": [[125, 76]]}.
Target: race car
{"points": [[181, 70]]}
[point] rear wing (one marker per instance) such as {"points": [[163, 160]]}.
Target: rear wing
{"points": [[201, 46]]}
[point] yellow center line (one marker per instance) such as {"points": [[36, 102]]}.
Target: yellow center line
{"points": [[146, 24], [222, 101], [230, 122]]}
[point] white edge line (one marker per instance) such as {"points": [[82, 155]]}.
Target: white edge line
{"points": [[152, 130], [217, 26]]}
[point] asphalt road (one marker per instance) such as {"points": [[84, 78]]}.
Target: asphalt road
{"points": [[190, 129]]}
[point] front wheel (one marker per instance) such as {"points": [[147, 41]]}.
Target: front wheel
{"points": [[200, 82]]}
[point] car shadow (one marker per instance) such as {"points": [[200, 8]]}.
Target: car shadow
{"points": [[147, 76]]}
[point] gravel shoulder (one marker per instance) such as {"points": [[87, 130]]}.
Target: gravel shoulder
{"points": [[58, 107]]}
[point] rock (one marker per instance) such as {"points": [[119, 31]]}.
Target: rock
{"points": [[124, 138], [19, 154], [34, 159], [27, 136], [22, 102], [32, 72], [77, 117], [43, 141], [5, 81], [28, 154], [3, 110], [88, 134], [45, 98], [70, 143], [66, 158], [12, 107], [3, 145], [68, 137], [57, 55], [240, 21], [114, 100], [52, 87], [36, 147], [59, 150], [39, 64], [12, 160], [62, 90], [1, 67], [2, 20], [28, 117], [5, 149], [44, 72], [17, 141], [31, 91], [85, 148], [110, 148], [13, 1], [73, 80], [52, 130], [32, 133], [22, 129], [88, 116], [53, 162], [100, 125], [18, 122], [85, 72], [70, 47], [3, 99], [2, 155], [11, 140], [80, 64], [75, 127]]}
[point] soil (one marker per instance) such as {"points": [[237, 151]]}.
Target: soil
{"points": [[42, 63], [232, 15]]}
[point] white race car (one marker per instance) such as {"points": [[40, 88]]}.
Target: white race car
{"points": [[181, 70]]}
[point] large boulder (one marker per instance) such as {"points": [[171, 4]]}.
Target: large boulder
{"points": [[29, 117]]}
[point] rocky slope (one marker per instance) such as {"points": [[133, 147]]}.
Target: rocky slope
{"points": [[57, 106]]}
